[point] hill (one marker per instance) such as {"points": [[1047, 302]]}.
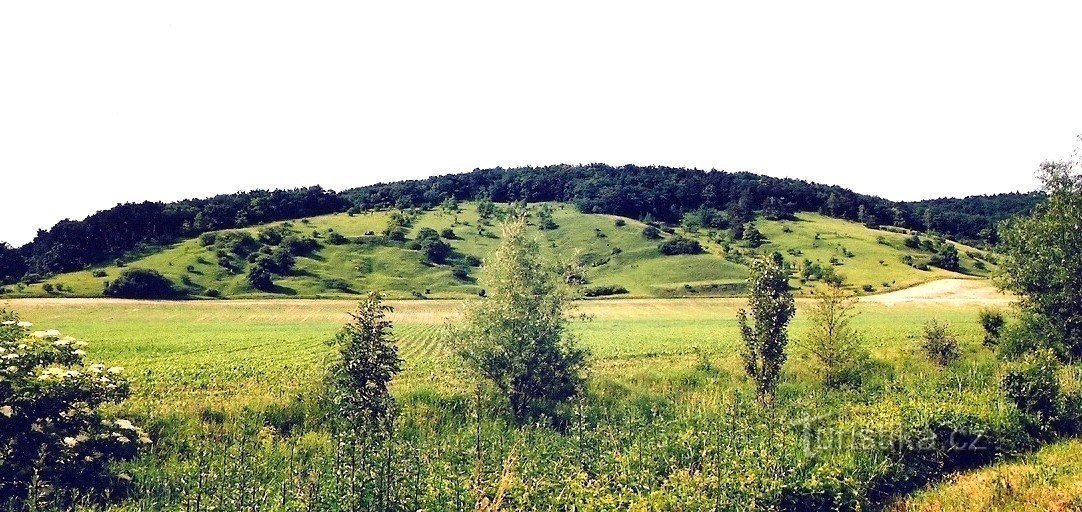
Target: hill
{"points": [[665, 194], [344, 254]]}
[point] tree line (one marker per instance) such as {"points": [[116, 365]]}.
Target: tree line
{"points": [[663, 194]]}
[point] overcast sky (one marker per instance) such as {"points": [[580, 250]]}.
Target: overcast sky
{"points": [[104, 102]]}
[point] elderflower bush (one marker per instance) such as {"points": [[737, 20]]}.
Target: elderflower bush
{"points": [[54, 440]]}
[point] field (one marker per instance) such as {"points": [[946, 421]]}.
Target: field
{"points": [[186, 353], [227, 389], [615, 254]]}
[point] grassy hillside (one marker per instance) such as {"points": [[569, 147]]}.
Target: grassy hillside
{"points": [[613, 249], [1050, 479]]}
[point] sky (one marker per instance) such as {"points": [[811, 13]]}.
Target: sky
{"points": [[107, 102]]}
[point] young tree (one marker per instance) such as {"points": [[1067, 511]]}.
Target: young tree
{"points": [[939, 344], [770, 308], [1043, 264], [367, 361], [833, 340], [517, 337]]}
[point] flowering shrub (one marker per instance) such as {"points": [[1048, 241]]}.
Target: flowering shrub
{"points": [[54, 441]]}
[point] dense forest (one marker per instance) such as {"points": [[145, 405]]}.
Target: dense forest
{"points": [[663, 194]]}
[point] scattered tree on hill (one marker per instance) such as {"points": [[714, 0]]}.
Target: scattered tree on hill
{"points": [[763, 326], [431, 245], [946, 258], [680, 245], [486, 209], [1042, 261], [260, 277], [141, 283], [516, 337], [651, 232], [544, 217], [753, 237]]}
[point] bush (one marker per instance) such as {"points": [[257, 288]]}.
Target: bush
{"points": [[992, 322], [300, 245], [335, 283], [460, 272], [47, 287], [620, 223], [100, 273], [651, 233], [939, 344], [337, 239], [680, 245], [604, 290], [449, 234], [53, 433], [1033, 386], [946, 258], [141, 283], [212, 293], [260, 277]]}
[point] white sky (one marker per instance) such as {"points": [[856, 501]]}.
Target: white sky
{"points": [[103, 102]]}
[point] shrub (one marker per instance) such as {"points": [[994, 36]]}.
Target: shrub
{"points": [[100, 273], [472, 260], [992, 322], [335, 283], [141, 283], [771, 307], [53, 433], [1032, 384], [680, 245], [337, 239], [620, 223], [946, 258], [212, 293], [47, 287], [428, 242], [260, 277], [460, 272], [651, 233], [300, 245], [868, 288], [448, 233], [939, 344], [604, 290]]}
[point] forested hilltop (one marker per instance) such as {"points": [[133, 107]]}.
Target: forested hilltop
{"points": [[661, 194]]}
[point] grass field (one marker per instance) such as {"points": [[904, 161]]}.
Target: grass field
{"points": [[184, 352], [664, 423], [870, 260]]}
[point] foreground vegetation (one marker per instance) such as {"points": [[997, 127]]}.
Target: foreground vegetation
{"points": [[245, 375]]}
